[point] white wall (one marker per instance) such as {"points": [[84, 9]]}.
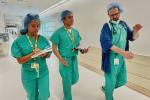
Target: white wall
{"points": [[90, 15], [2, 23]]}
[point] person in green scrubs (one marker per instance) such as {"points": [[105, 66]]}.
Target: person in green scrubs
{"points": [[34, 71], [65, 42], [115, 37]]}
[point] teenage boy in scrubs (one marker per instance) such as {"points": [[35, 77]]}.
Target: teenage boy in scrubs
{"points": [[65, 42], [114, 39]]}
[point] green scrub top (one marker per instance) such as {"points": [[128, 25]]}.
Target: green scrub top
{"points": [[64, 42], [21, 47], [119, 38]]}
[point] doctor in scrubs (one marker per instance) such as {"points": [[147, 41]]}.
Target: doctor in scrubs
{"points": [[65, 40], [114, 39], [34, 71]]}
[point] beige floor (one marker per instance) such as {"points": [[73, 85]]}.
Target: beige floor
{"points": [[138, 69], [86, 89]]}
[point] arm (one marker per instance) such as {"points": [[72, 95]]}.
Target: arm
{"points": [[55, 42], [28, 57], [16, 52], [130, 35], [105, 38], [126, 54], [136, 29], [106, 44], [133, 34], [25, 59], [54, 48]]}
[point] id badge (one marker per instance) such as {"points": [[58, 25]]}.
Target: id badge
{"points": [[116, 61], [35, 65]]}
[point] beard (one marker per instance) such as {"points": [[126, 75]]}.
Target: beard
{"points": [[115, 19]]}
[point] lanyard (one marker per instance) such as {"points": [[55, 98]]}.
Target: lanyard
{"points": [[36, 42], [113, 30], [71, 35], [34, 65]]}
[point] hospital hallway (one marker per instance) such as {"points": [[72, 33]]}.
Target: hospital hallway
{"points": [[88, 87], [99, 32]]}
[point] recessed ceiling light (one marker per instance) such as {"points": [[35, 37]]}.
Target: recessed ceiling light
{"points": [[54, 6]]}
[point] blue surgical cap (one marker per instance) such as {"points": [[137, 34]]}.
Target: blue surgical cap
{"points": [[27, 20], [65, 13], [114, 5]]}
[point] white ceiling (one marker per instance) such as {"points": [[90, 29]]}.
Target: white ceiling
{"points": [[16, 9]]}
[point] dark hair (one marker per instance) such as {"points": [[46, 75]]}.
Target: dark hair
{"points": [[27, 20]]}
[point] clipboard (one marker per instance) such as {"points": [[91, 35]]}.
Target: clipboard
{"points": [[42, 52]]}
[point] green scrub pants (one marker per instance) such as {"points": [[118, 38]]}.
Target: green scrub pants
{"points": [[116, 78], [69, 75], [37, 89]]}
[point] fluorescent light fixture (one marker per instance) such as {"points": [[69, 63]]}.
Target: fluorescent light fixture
{"points": [[3, 2], [54, 6], [20, 0]]}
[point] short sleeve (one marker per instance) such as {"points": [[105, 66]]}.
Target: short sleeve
{"points": [[16, 50], [55, 38]]}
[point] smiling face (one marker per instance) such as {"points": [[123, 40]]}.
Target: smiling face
{"points": [[34, 27], [114, 14]]}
